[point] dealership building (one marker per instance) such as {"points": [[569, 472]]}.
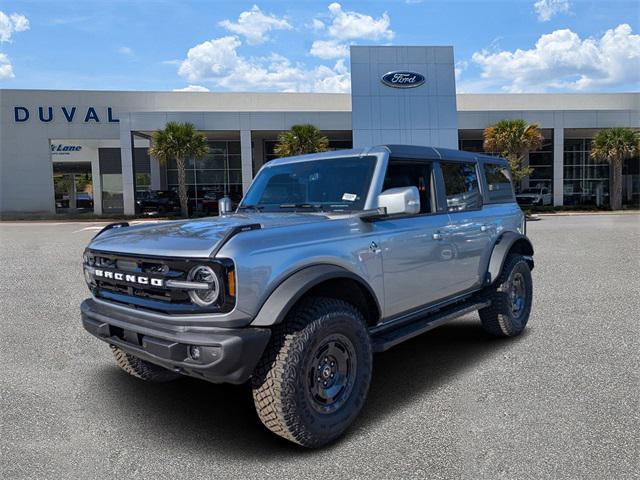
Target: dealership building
{"points": [[73, 151]]}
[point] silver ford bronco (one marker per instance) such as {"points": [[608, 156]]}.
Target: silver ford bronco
{"points": [[329, 258]]}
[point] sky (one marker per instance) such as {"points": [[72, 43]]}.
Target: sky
{"points": [[303, 46]]}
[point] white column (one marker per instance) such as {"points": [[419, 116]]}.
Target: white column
{"points": [[96, 184], [246, 158], [126, 157], [558, 166]]}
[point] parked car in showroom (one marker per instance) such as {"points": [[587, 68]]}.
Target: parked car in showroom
{"points": [[329, 258], [160, 202], [535, 196]]}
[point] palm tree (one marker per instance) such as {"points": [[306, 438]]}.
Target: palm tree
{"points": [[615, 145], [301, 139], [514, 139], [179, 141]]}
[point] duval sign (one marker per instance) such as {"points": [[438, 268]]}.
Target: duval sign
{"points": [[67, 113], [402, 79]]}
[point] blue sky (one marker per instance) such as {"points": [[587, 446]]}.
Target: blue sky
{"points": [[507, 46]]}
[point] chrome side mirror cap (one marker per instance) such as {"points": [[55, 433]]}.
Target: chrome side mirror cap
{"points": [[403, 200]]}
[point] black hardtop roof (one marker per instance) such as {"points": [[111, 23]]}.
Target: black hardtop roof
{"points": [[438, 153]]}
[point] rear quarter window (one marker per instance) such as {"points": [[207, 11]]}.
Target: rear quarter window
{"points": [[499, 187]]}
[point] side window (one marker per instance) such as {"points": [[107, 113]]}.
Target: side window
{"points": [[461, 186], [411, 174], [499, 186]]}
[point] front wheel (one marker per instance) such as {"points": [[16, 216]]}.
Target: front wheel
{"points": [[314, 376], [511, 298]]}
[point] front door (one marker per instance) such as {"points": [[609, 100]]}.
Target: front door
{"points": [[414, 260]]}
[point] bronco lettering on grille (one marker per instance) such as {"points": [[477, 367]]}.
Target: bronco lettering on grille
{"points": [[138, 279]]}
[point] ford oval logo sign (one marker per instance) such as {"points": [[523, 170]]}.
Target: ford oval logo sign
{"points": [[402, 79]]}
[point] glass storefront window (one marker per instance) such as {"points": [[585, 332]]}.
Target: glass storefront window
{"points": [[208, 177], [586, 181], [112, 201]]}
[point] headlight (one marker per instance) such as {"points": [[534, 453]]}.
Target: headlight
{"points": [[88, 277], [204, 274]]}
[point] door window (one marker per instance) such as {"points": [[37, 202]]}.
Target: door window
{"points": [[461, 186], [411, 174], [499, 188]]}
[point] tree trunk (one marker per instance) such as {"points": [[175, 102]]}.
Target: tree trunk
{"points": [[616, 185], [182, 187]]}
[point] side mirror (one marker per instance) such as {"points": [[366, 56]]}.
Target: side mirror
{"points": [[400, 200]]}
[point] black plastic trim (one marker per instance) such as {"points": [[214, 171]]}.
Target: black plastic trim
{"points": [[289, 291], [232, 353], [501, 250]]}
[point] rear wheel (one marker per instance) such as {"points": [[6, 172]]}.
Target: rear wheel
{"points": [[142, 369], [314, 376], [511, 297]]}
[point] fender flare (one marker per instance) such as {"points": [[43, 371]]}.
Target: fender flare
{"points": [[505, 243], [288, 292]]}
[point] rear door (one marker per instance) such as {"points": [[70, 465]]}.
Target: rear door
{"points": [[469, 231]]}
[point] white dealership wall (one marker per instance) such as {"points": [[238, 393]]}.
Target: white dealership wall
{"points": [[428, 115]]}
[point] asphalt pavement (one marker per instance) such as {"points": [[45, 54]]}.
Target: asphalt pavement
{"points": [[561, 401]]}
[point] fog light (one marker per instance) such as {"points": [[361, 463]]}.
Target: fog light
{"points": [[194, 352]]}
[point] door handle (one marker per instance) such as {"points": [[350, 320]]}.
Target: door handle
{"points": [[484, 228], [438, 236]]}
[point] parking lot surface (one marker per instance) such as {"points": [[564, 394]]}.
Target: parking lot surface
{"points": [[561, 401]]}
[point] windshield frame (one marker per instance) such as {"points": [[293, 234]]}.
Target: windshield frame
{"points": [[371, 193]]}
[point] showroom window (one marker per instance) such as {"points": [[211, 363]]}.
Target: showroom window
{"points": [[586, 181], [207, 178]]}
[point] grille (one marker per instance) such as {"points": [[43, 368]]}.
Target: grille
{"points": [[167, 300]]}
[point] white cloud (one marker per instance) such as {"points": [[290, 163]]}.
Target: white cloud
{"points": [[327, 49], [6, 70], [562, 60], [192, 88], [460, 67], [317, 25], [10, 24], [347, 25], [546, 9], [128, 51], [218, 61], [254, 25]]}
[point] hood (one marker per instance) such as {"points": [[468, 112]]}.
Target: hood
{"points": [[191, 238]]}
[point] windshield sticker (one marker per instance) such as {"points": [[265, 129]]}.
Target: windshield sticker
{"points": [[349, 197]]}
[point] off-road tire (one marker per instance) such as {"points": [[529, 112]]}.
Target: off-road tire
{"points": [[142, 369], [281, 380], [498, 319]]}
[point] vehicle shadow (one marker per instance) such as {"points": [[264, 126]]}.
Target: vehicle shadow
{"points": [[219, 419]]}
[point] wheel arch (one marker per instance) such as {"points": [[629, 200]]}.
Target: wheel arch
{"points": [[322, 280], [507, 243]]}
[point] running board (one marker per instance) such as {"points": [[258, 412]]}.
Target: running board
{"points": [[390, 337]]}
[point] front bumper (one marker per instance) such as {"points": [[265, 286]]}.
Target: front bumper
{"points": [[227, 355]]}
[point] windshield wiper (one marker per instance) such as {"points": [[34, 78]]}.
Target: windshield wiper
{"points": [[305, 206], [251, 207]]}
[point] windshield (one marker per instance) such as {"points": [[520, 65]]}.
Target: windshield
{"points": [[335, 184]]}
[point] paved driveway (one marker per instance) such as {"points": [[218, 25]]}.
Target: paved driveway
{"points": [[562, 401]]}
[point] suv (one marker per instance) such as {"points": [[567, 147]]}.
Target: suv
{"points": [[534, 196], [329, 258]]}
